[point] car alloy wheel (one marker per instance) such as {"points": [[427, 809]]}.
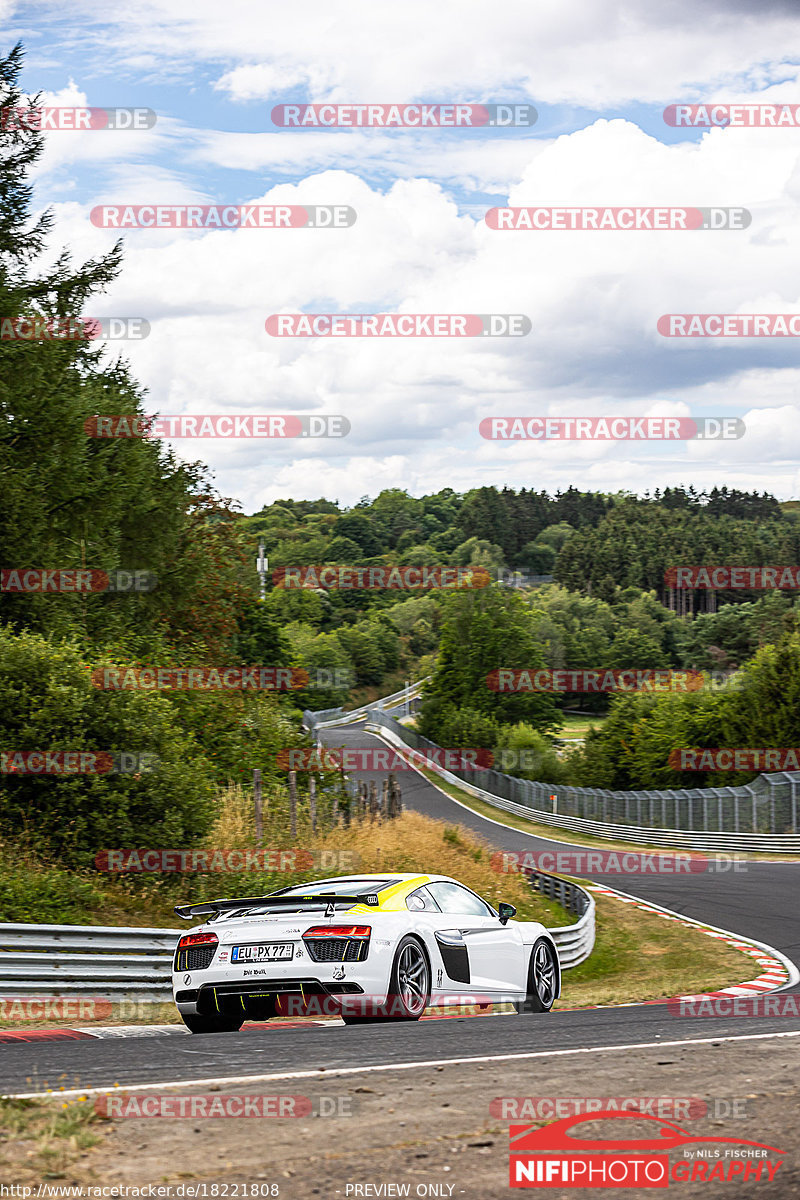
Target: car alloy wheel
{"points": [[544, 974], [413, 980], [542, 979]]}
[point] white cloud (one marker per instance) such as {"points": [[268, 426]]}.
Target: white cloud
{"points": [[593, 299], [415, 405], [589, 52]]}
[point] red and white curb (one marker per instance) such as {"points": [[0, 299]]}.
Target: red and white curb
{"points": [[76, 1035], [145, 1031], [778, 971], [120, 1031]]}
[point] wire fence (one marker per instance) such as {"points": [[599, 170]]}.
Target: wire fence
{"points": [[768, 806]]}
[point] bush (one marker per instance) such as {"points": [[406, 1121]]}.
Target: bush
{"points": [[48, 702], [30, 891], [525, 752], [449, 725]]}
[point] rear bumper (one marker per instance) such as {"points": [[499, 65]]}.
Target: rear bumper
{"points": [[265, 998]]}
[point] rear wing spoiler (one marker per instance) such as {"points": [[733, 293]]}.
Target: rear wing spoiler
{"points": [[328, 899]]}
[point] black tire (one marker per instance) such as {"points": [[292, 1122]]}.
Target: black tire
{"points": [[409, 987], [410, 982], [542, 979], [215, 1024]]}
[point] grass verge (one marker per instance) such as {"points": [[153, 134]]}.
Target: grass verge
{"points": [[40, 1142]]}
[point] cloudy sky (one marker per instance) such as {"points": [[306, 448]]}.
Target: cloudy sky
{"points": [[599, 74]]}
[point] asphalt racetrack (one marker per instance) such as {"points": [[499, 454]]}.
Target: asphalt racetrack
{"points": [[759, 902]]}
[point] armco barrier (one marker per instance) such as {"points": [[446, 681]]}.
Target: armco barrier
{"points": [[88, 960], [575, 942], [763, 800], [327, 718]]}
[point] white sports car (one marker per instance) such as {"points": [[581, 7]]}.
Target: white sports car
{"points": [[368, 947]]}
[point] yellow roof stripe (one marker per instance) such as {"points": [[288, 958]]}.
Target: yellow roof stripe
{"points": [[392, 899]]}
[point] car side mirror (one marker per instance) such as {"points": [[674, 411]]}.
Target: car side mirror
{"points": [[505, 911]]}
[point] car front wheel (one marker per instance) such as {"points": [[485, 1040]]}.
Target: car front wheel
{"points": [[542, 979]]}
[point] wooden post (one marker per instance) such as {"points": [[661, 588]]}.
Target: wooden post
{"points": [[312, 802], [385, 798], [293, 804], [374, 807], [257, 809]]}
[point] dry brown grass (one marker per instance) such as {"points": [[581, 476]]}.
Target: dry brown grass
{"points": [[410, 842]]}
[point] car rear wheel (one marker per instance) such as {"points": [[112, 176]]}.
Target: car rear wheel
{"points": [[214, 1024], [409, 988], [542, 980]]}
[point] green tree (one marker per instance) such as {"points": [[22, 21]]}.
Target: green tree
{"points": [[483, 630]]}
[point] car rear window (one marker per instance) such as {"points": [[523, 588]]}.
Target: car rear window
{"points": [[343, 886]]}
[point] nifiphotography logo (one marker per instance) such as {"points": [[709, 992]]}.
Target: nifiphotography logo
{"points": [[552, 1157]]}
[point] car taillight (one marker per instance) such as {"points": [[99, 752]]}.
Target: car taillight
{"points": [[197, 939], [339, 931]]}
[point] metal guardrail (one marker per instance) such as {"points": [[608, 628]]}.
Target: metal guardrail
{"points": [[327, 718], [87, 960], [575, 942], [770, 799]]}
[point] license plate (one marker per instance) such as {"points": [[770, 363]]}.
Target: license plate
{"points": [[271, 952]]}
